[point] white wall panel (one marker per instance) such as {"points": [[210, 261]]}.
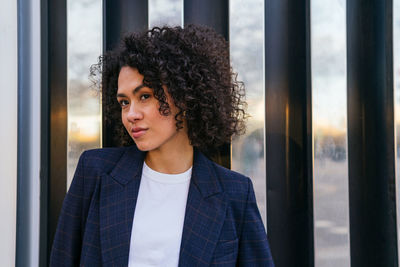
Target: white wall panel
{"points": [[8, 132]]}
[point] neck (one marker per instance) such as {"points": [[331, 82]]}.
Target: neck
{"points": [[171, 161]]}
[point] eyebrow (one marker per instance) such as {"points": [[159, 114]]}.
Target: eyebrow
{"points": [[134, 90]]}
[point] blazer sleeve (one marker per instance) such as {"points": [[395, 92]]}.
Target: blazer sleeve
{"points": [[254, 248], [67, 242]]}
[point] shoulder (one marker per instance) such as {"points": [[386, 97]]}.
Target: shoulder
{"points": [[102, 158], [105, 153], [238, 192], [235, 185]]}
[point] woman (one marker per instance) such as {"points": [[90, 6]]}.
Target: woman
{"points": [[160, 201]]}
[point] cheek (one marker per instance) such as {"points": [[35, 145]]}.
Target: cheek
{"points": [[164, 125], [155, 116], [169, 122], [124, 119]]}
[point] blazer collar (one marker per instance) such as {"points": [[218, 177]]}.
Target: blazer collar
{"points": [[204, 177]]}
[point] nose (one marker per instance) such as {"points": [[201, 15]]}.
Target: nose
{"points": [[134, 113]]}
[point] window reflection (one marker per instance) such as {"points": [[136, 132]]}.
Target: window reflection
{"points": [[165, 12], [328, 27], [84, 109], [247, 49]]}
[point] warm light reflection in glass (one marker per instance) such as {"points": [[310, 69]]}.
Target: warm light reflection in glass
{"points": [[396, 80], [84, 106], [165, 12], [247, 49], [331, 222]]}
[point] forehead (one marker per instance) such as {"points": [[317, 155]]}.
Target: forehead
{"points": [[129, 78]]}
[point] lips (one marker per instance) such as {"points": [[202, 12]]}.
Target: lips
{"points": [[138, 132]]}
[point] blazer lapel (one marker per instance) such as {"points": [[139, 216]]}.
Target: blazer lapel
{"points": [[119, 191], [205, 214]]}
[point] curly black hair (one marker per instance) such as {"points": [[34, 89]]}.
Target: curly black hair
{"points": [[193, 63]]}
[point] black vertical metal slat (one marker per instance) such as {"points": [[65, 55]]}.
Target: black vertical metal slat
{"points": [[44, 137], [54, 120], [214, 14], [372, 194], [119, 18], [289, 132]]}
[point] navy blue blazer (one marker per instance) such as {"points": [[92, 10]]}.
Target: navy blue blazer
{"points": [[222, 225]]}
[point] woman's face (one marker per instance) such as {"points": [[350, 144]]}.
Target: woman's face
{"points": [[141, 117]]}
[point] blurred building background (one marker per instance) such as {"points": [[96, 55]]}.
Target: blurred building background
{"points": [[323, 90]]}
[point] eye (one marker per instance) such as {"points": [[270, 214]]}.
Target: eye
{"points": [[123, 103], [144, 96]]}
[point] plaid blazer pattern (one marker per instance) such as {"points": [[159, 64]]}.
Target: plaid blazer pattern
{"points": [[222, 225]]}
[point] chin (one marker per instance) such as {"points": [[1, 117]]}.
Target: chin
{"points": [[143, 147]]}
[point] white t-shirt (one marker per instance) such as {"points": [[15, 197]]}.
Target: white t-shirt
{"points": [[158, 220]]}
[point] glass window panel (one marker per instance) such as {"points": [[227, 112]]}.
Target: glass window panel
{"points": [[331, 220], [396, 72], [165, 12], [84, 107], [247, 54]]}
